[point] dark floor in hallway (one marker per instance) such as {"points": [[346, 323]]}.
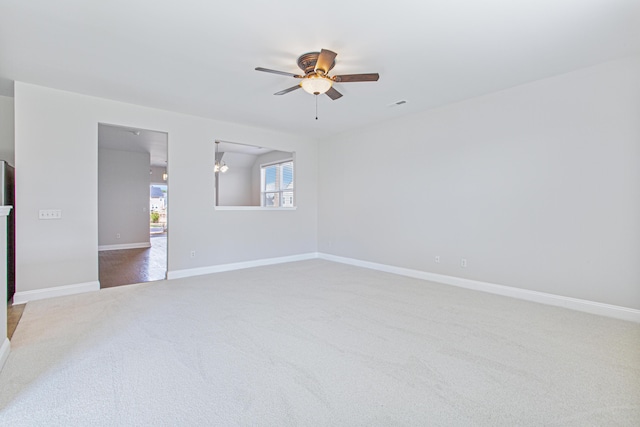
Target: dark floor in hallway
{"points": [[129, 266], [14, 313]]}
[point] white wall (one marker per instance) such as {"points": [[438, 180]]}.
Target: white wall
{"points": [[56, 167], [235, 187], [537, 186], [235, 184], [7, 149], [123, 197]]}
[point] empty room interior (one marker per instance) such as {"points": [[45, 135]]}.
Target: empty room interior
{"points": [[285, 213]]}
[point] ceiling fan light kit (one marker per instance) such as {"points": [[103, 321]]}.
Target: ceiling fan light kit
{"points": [[316, 79], [316, 85]]}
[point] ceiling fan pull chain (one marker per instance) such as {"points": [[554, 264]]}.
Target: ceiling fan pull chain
{"points": [[316, 107]]}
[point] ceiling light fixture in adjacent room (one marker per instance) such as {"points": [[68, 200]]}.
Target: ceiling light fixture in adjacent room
{"points": [[219, 165], [165, 175]]}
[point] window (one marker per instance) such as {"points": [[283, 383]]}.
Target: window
{"points": [[276, 185], [255, 177]]}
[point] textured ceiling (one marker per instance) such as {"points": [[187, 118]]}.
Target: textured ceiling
{"points": [[198, 57]]}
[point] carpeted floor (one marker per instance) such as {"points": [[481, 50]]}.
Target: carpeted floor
{"points": [[316, 343]]}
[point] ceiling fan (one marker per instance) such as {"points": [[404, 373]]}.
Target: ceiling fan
{"points": [[316, 79]]}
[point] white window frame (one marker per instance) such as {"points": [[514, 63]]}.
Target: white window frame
{"points": [[280, 191]]}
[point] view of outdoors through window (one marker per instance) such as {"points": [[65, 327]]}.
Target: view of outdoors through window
{"points": [[158, 209], [276, 186]]}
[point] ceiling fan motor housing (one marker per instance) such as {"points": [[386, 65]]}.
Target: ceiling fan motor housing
{"points": [[307, 63]]}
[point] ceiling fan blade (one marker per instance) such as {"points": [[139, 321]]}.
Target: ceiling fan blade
{"points": [[347, 78], [325, 61], [333, 94], [291, 89], [283, 73]]}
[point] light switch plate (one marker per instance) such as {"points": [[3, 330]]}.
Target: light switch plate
{"points": [[50, 214]]}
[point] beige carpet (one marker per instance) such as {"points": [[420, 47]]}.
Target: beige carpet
{"points": [[316, 343]]}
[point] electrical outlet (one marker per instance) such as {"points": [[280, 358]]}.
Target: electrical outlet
{"points": [[463, 263], [193, 254], [117, 235], [437, 259]]}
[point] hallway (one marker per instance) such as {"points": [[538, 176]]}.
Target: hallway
{"points": [[129, 266]]}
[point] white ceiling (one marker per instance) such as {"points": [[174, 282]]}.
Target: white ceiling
{"points": [[198, 57], [135, 140], [235, 147]]}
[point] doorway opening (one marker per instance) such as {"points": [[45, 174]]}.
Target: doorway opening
{"points": [[132, 205]]}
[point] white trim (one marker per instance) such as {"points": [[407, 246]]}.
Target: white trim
{"points": [[177, 274], [5, 349], [124, 246], [57, 291], [609, 310], [4, 210], [252, 208], [277, 162]]}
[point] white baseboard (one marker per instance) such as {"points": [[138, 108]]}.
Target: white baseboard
{"points": [[177, 274], [5, 349], [586, 306], [58, 291], [124, 246], [609, 310]]}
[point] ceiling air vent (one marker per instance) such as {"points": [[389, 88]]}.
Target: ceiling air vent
{"points": [[401, 102]]}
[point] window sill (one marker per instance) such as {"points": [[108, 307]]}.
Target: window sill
{"points": [[252, 208]]}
